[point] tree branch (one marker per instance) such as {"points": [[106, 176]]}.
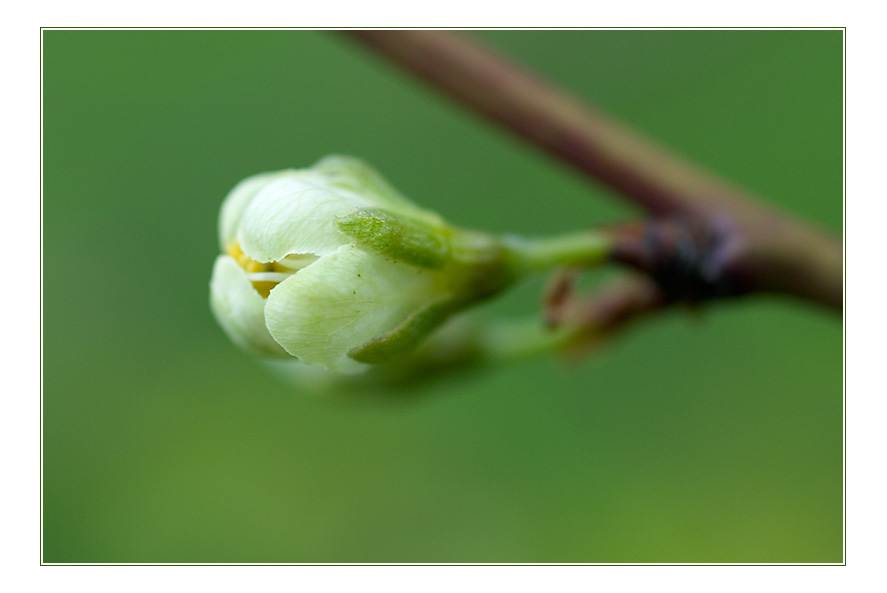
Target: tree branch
{"points": [[736, 244]]}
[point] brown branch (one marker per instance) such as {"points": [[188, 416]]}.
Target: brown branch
{"points": [[743, 247]]}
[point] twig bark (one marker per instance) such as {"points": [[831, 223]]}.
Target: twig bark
{"points": [[706, 239]]}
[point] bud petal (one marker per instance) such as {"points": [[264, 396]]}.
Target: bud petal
{"points": [[342, 301], [239, 309], [355, 175], [294, 215], [408, 333], [238, 199]]}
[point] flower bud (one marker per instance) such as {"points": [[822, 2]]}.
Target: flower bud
{"points": [[332, 265]]}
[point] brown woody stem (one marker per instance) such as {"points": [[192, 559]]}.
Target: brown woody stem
{"points": [[739, 244]]}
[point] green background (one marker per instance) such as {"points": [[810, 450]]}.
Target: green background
{"points": [[710, 437]]}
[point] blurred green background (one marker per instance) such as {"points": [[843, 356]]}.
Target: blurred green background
{"points": [[693, 438]]}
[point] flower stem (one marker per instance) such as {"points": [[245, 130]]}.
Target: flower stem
{"points": [[586, 249], [504, 341]]}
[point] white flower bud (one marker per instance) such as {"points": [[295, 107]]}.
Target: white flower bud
{"points": [[333, 266]]}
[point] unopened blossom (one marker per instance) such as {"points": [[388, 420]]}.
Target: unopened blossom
{"points": [[333, 266]]}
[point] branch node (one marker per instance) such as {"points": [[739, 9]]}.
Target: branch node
{"points": [[685, 256]]}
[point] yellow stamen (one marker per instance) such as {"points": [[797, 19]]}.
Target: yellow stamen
{"points": [[263, 287]]}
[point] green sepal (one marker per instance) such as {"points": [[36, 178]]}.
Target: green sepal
{"points": [[406, 336], [396, 237]]}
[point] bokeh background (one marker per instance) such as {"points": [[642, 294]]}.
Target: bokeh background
{"points": [[709, 437]]}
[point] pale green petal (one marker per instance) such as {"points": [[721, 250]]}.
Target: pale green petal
{"points": [[239, 309], [295, 215], [238, 199], [355, 175], [342, 301], [408, 334]]}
